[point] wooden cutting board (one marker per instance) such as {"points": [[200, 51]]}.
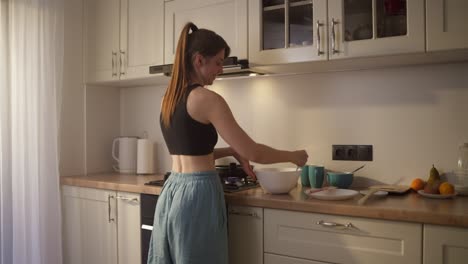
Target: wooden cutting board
{"points": [[391, 188]]}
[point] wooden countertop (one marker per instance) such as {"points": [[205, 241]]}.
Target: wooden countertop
{"points": [[409, 207], [116, 182]]}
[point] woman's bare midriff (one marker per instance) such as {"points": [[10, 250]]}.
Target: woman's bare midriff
{"points": [[188, 164]]}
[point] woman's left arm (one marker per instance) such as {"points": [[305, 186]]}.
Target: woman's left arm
{"points": [[219, 153], [227, 152]]}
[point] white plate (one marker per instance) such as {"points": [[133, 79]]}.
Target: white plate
{"points": [[436, 196], [461, 190], [378, 193], [333, 194]]}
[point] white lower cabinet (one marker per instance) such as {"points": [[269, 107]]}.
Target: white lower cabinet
{"points": [[128, 227], [445, 245], [100, 226], [245, 226], [340, 239], [71, 226]]}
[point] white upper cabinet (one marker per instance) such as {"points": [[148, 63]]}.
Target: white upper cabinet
{"points": [[446, 22], [375, 27], [228, 18], [123, 38], [287, 31], [142, 38], [102, 39], [283, 31]]}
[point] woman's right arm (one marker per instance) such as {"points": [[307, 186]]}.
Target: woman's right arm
{"points": [[220, 115]]}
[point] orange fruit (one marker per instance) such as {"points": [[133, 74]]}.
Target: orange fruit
{"points": [[446, 188], [417, 184]]}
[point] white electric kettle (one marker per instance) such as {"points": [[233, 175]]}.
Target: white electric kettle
{"points": [[127, 154]]}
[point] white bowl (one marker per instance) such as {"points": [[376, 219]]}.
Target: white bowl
{"points": [[278, 180]]}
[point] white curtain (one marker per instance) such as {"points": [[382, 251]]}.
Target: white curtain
{"points": [[31, 60]]}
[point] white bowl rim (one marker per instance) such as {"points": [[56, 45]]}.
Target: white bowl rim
{"points": [[276, 170]]}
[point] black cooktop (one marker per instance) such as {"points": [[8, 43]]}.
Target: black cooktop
{"points": [[159, 182]]}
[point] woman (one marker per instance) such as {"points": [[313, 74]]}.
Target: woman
{"points": [[190, 217]]}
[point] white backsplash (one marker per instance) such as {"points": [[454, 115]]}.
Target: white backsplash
{"points": [[413, 116]]}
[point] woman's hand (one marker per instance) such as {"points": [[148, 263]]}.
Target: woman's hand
{"points": [[299, 157], [245, 163]]}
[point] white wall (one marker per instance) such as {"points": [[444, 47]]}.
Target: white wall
{"points": [[139, 113], [102, 126], [72, 136], [413, 116]]}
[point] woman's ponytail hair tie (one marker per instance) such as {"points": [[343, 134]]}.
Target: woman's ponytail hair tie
{"points": [[193, 27]]}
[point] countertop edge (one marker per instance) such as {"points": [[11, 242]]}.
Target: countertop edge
{"points": [[379, 214]]}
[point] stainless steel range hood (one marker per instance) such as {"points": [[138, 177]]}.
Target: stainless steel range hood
{"points": [[232, 68]]}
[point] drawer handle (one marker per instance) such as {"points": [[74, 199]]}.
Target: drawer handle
{"points": [[336, 225], [147, 227], [244, 214], [134, 200]]}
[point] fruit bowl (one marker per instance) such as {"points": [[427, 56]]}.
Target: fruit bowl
{"points": [[436, 196], [278, 180]]}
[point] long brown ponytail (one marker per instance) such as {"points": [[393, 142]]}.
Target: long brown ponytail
{"points": [[203, 41]]}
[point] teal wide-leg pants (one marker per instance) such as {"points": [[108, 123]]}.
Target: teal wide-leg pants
{"points": [[190, 222]]}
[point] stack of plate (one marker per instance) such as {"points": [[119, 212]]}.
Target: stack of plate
{"points": [[461, 182]]}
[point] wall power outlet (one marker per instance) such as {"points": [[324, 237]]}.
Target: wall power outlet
{"points": [[352, 152]]}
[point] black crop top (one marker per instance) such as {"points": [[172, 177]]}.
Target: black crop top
{"points": [[186, 136]]}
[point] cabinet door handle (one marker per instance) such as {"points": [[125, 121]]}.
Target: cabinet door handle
{"points": [[336, 225], [333, 36], [319, 52], [122, 62], [135, 200], [244, 214], [114, 55], [109, 197]]}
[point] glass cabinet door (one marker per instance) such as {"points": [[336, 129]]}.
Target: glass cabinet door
{"points": [[287, 23], [375, 27], [287, 31], [390, 19], [300, 23], [274, 21]]}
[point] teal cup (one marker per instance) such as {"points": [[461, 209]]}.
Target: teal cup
{"points": [[316, 175], [305, 176]]}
